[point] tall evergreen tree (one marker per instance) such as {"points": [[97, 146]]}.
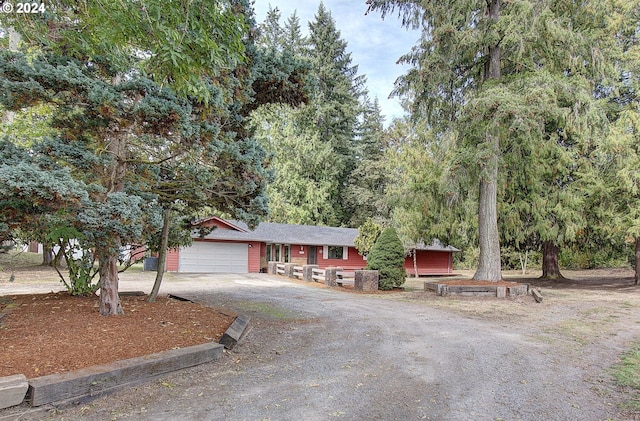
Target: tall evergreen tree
{"points": [[493, 73], [611, 170], [428, 200], [314, 147], [305, 176], [366, 185], [293, 39], [334, 108]]}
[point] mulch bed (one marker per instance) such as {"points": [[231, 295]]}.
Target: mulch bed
{"points": [[52, 333]]}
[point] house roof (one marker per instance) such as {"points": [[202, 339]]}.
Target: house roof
{"points": [[436, 245], [269, 232], [311, 235]]}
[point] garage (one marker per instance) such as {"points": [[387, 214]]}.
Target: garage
{"points": [[214, 257]]}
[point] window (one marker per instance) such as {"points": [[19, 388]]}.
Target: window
{"points": [[277, 253], [268, 252], [287, 253], [335, 252]]}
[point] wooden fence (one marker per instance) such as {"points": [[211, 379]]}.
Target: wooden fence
{"points": [[362, 280]]}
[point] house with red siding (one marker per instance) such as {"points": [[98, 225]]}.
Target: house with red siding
{"points": [[231, 247]]}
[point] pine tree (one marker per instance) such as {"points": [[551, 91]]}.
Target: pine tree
{"points": [[366, 185], [492, 74], [387, 257], [305, 175], [314, 146], [334, 108], [112, 126]]}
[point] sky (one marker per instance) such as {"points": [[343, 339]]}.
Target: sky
{"points": [[375, 44]]}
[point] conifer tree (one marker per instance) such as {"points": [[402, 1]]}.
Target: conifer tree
{"points": [[387, 257], [366, 185], [313, 146], [335, 105], [492, 74], [610, 176], [113, 120]]}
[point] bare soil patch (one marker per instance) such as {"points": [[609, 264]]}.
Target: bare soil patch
{"points": [[51, 333]]}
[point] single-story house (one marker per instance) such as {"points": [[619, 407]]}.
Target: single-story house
{"points": [[231, 247]]}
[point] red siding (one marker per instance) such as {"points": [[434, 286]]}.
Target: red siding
{"points": [[354, 261], [255, 251], [430, 263], [219, 224], [172, 260]]}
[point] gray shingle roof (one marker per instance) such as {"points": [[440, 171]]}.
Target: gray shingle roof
{"points": [[311, 235], [269, 232]]}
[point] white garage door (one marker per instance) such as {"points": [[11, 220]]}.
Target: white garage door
{"points": [[208, 257]]}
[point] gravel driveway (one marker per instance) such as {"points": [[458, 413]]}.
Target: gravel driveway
{"points": [[315, 353]]}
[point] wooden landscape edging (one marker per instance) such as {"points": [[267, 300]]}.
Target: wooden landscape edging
{"points": [[499, 291], [235, 332], [102, 379], [97, 380]]}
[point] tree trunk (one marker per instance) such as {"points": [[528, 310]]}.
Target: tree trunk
{"points": [[162, 254], [637, 260], [47, 255], [109, 298], [489, 241], [550, 267], [415, 262], [108, 254]]}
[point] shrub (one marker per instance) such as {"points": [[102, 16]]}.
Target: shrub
{"points": [[387, 257]]}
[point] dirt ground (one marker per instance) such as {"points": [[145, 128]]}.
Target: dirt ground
{"points": [[454, 358]]}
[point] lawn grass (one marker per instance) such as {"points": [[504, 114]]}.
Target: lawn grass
{"points": [[627, 373], [19, 259]]}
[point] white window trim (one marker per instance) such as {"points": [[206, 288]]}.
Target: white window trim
{"points": [[345, 252]]}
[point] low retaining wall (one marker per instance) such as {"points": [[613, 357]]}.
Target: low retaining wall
{"points": [[498, 290], [103, 379]]}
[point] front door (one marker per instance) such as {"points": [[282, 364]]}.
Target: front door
{"points": [[312, 258]]}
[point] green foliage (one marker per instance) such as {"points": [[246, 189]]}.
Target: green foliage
{"points": [[82, 273], [33, 194], [534, 115], [428, 199], [627, 373], [515, 259], [387, 257], [317, 149], [368, 233], [79, 260], [364, 194], [28, 125], [578, 257], [179, 42], [304, 180], [148, 101]]}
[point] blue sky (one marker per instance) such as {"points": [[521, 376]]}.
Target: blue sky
{"points": [[375, 44]]}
